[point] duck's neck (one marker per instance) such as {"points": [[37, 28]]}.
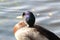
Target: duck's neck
{"points": [[31, 26]]}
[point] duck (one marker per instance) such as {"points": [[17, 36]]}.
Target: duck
{"points": [[28, 30]]}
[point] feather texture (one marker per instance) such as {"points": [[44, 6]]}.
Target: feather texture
{"points": [[27, 33]]}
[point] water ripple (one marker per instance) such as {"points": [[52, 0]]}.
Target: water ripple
{"points": [[47, 13]]}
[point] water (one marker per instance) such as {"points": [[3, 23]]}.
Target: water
{"points": [[47, 13]]}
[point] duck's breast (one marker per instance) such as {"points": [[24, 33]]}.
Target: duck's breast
{"points": [[29, 34], [18, 26]]}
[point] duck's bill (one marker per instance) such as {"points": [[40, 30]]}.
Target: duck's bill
{"points": [[20, 17]]}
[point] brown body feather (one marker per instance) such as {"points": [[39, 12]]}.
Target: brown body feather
{"points": [[18, 26]]}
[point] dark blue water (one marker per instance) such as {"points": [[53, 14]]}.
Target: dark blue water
{"points": [[47, 13]]}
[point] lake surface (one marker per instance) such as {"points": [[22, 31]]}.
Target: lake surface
{"points": [[47, 13]]}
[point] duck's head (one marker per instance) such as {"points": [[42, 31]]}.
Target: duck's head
{"points": [[29, 18]]}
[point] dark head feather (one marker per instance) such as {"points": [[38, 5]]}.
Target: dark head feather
{"points": [[29, 17]]}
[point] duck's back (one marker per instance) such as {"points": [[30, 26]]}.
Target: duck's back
{"points": [[27, 33], [48, 34]]}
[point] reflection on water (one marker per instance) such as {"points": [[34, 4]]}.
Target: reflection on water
{"points": [[47, 14]]}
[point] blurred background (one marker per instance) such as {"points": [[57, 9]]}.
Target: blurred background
{"points": [[47, 13]]}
